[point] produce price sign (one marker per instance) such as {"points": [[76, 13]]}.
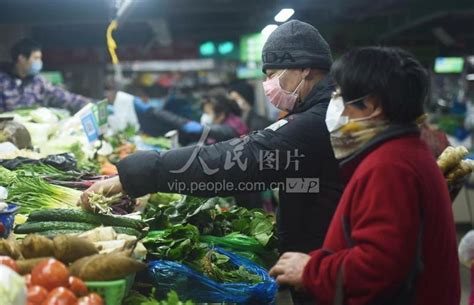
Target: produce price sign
{"points": [[100, 112], [90, 126]]}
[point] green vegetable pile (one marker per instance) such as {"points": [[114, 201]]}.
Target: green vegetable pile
{"points": [[181, 243], [83, 162], [122, 137], [167, 210], [136, 298]]}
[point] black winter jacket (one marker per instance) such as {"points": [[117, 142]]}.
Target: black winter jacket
{"points": [[260, 159]]}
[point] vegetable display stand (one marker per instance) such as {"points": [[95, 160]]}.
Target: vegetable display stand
{"points": [[113, 292]]}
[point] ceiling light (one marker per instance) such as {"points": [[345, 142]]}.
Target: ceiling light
{"points": [[284, 14]]}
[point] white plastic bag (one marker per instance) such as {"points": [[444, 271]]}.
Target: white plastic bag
{"points": [[124, 112]]}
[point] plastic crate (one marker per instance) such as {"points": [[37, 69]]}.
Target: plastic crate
{"points": [[113, 292]]}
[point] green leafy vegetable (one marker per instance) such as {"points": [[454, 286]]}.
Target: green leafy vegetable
{"points": [[207, 216], [7, 177], [182, 243], [83, 162]]}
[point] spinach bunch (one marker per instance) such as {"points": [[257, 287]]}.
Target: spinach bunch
{"points": [[181, 243], [210, 219]]}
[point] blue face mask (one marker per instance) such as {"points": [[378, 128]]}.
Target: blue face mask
{"points": [[36, 67]]}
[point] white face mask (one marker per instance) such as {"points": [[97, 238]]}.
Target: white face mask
{"points": [[207, 119], [334, 117]]}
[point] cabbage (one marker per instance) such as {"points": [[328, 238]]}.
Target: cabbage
{"points": [[12, 287], [44, 115]]}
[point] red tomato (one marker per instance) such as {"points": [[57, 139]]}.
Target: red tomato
{"points": [[96, 299], [9, 262], [60, 296], [50, 274], [77, 286], [37, 294], [91, 299], [27, 280]]}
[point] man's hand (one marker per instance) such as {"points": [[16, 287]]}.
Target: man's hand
{"points": [[106, 187], [289, 269]]}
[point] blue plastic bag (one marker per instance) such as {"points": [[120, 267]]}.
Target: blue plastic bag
{"points": [[189, 284]]}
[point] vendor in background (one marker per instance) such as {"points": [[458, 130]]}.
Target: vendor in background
{"points": [[392, 239], [244, 95], [22, 86], [222, 116]]}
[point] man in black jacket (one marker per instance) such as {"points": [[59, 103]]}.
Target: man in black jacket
{"points": [[294, 153]]}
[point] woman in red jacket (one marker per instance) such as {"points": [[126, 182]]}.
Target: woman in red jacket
{"points": [[392, 239]]}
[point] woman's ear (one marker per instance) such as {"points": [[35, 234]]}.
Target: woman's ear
{"points": [[374, 106]]}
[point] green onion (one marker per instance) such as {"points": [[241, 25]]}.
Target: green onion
{"points": [[49, 172], [32, 192]]}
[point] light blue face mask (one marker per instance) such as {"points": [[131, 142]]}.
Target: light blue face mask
{"points": [[36, 67]]}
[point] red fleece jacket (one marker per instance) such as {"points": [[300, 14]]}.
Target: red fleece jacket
{"points": [[380, 209]]}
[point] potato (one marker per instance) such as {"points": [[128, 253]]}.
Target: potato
{"points": [[71, 248], [35, 246], [106, 267]]}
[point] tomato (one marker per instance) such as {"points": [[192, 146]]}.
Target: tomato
{"points": [[9, 262], [37, 294], [50, 274], [91, 299], [60, 296], [96, 299], [27, 280], [77, 286]]}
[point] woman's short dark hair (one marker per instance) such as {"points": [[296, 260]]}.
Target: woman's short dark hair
{"points": [[221, 104], [24, 47], [391, 75]]}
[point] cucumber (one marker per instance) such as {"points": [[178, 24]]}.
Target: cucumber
{"points": [[54, 233], [35, 227], [86, 217], [128, 231]]}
